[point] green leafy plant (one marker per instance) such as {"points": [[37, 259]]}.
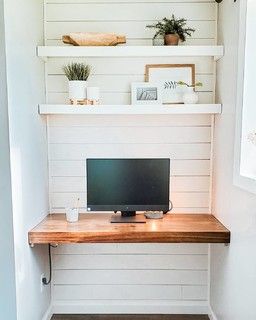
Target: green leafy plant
{"points": [[172, 26], [197, 84], [77, 71]]}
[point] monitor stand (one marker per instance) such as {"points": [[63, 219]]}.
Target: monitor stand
{"points": [[128, 217]]}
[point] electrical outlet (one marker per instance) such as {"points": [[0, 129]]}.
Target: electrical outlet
{"points": [[41, 282]]}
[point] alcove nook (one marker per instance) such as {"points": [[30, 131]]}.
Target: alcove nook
{"points": [[112, 277], [51, 140]]}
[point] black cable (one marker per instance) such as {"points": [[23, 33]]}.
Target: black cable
{"points": [[44, 280]]}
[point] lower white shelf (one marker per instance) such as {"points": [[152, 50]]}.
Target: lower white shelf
{"points": [[131, 109]]}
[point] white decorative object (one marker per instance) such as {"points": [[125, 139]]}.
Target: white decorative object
{"points": [[146, 93], [72, 214], [77, 91], [190, 96], [93, 95], [154, 215]]}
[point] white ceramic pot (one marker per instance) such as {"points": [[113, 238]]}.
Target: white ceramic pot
{"points": [[190, 96], [77, 90]]}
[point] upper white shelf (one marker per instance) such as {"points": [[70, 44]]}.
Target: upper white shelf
{"points": [[131, 109], [131, 51]]}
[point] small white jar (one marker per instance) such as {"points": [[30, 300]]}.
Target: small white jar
{"points": [[190, 96], [72, 214], [93, 95], [77, 91]]}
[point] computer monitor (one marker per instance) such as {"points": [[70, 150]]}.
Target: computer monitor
{"points": [[128, 185]]}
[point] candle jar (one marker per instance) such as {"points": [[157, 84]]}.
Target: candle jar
{"points": [[93, 95]]}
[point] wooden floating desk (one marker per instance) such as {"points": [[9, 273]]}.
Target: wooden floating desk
{"points": [[96, 228]]}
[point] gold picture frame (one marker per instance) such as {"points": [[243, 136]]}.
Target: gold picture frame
{"points": [[161, 74]]}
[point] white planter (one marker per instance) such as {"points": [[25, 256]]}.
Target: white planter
{"points": [[190, 97], [77, 90]]}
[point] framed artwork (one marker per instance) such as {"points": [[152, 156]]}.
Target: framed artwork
{"points": [[146, 93], [167, 77]]}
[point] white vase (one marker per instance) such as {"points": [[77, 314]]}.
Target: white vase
{"points": [[190, 96], [77, 91]]}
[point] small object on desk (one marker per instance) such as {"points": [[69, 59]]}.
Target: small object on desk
{"points": [[154, 215], [72, 214]]}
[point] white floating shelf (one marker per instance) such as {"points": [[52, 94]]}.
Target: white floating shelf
{"points": [[131, 51], [131, 109]]}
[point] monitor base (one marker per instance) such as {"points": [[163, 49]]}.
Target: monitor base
{"points": [[128, 213], [128, 218]]}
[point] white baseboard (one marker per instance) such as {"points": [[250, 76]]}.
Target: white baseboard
{"points": [[48, 314], [130, 307], [212, 315]]}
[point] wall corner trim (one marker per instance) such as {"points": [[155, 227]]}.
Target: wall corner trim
{"points": [[211, 314], [48, 314]]}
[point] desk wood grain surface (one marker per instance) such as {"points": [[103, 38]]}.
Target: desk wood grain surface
{"points": [[96, 228]]}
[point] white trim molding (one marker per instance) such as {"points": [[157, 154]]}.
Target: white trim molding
{"points": [[48, 314], [130, 307], [211, 314]]}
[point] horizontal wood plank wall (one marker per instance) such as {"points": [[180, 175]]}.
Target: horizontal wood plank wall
{"points": [[130, 278], [114, 76], [185, 139], [137, 278]]}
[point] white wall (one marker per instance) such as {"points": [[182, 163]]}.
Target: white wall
{"points": [[25, 75], [7, 267], [233, 276], [143, 278]]}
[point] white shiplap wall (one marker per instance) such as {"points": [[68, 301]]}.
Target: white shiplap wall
{"points": [[129, 278]]}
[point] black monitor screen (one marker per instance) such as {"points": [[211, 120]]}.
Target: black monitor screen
{"points": [[127, 184]]}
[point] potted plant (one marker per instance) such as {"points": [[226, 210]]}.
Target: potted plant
{"points": [[172, 30], [77, 74], [190, 96]]}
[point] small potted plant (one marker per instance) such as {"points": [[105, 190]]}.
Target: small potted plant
{"points": [[190, 97], [77, 74], [173, 30]]}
